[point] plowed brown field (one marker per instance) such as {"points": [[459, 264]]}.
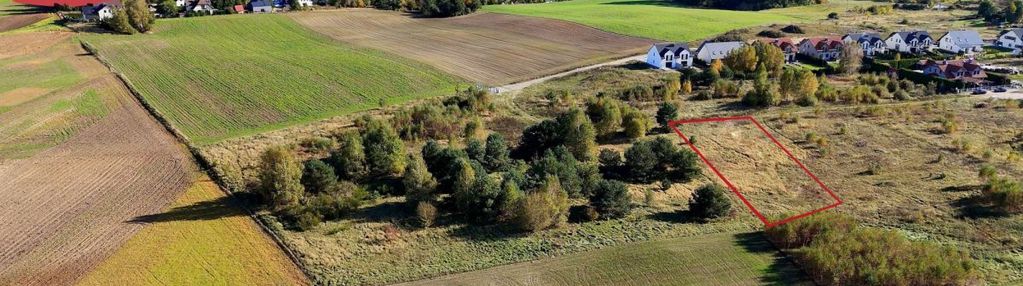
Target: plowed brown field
{"points": [[488, 48], [68, 207]]}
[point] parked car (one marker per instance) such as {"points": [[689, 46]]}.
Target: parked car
{"points": [[979, 91], [999, 89]]}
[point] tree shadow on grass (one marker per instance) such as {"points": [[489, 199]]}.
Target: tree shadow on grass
{"points": [[782, 270], [649, 3], [675, 217], [222, 207], [486, 233], [384, 212], [18, 9], [975, 207]]}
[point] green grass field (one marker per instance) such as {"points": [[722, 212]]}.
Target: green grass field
{"points": [[663, 20], [220, 77], [716, 259]]}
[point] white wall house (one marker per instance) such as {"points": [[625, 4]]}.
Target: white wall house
{"points": [[710, 51], [871, 43], [823, 48], [202, 6], [261, 6], [669, 55], [961, 41], [1012, 39], [305, 3], [909, 41], [180, 3], [100, 12]]}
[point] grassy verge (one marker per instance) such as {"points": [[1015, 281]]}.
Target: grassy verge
{"points": [[220, 77]]}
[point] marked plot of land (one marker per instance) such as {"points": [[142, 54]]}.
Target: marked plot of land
{"points": [[488, 48], [775, 186]]}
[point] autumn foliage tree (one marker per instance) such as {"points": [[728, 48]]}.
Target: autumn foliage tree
{"points": [[280, 178]]}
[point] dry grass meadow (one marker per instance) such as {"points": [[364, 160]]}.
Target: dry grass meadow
{"points": [[487, 48]]}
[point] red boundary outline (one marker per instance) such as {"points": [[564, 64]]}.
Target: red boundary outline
{"points": [[673, 124]]}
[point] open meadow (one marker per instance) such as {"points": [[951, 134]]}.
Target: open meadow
{"points": [[664, 20], [488, 48], [278, 75], [85, 160], [203, 238], [14, 15], [713, 259]]}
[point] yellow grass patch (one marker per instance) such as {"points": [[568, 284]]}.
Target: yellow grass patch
{"points": [[21, 95], [199, 240]]}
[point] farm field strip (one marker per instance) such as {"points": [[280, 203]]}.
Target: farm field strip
{"points": [[201, 239], [664, 20], [279, 75], [488, 48], [715, 259]]}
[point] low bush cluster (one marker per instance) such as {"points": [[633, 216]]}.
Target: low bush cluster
{"points": [[835, 250]]}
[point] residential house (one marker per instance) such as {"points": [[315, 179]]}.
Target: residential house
{"points": [[1011, 38], [260, 6], [822, 48], [240, 9], [100, 12], [304, 3], [180, 3], [961, 41], [670, 55], [710, 51], [202, 6], [871, 43], [787, 46], [966, 70], [910, 41], [279, 3]]}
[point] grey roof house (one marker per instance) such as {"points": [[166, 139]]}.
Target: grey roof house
{"points": [[710, 51], [669, 55], [961, 41]]}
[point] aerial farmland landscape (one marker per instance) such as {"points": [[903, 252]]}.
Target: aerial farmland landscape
{"points": [[511, 142]]}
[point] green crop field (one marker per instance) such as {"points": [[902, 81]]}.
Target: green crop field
{"points": [[716, 259], [663, 20], [220, 77]]}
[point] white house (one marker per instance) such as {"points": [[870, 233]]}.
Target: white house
{"points": [[910, 41], [710, 51], [871, 43], [260, 6], [180, 3], [1011, 38], [669, 55], [100, 12], [202, 6], [305, 3], [961, 41], [823, 48]]}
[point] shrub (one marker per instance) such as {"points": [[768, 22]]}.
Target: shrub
{"points": [[611, 199], [576, 178], [792, 29], [770, 34], [709, 202], [1005, 194], [497, 156], [543, 208], [606, 115], [833, 16], [419, 184], [474, 129], [426, 214], [280, 178], [447, 8], [318, 177], [318, 144], [635, 122], [828, 246]]}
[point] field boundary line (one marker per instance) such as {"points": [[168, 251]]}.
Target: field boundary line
{"points": [[769, 224], [199, 159]]}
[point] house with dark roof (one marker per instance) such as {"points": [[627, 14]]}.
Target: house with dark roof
{"points": [[709, 51], [823, 48], [260, 6], [871, 43], [966, 70], [787, 45], [1011, 38], [961, 41], [669, 55], [100, 12], [910, 41]]}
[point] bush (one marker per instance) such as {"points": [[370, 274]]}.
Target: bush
{"points": [[828, 246], [318, 177], [426, 214], [571, 129], [833, 16], [770, 34], [543, 208], [710, 202], [635, 122], [349, 160], [280, 178], [419, 184], [792, 29], [611, 199], [385, 152], [666, 113], [447, 8], [1005, 194]]}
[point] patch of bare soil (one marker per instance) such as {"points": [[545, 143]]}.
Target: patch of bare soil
{"points": [[489, 48], [12, 22], [20, 95], [69, 207]]}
